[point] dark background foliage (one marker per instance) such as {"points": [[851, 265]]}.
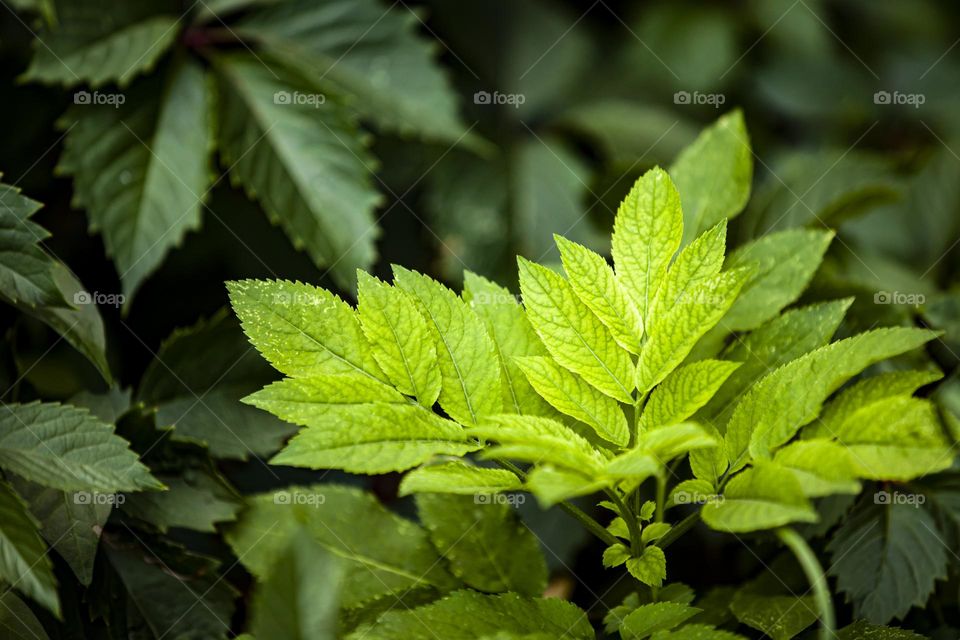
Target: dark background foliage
{"points": [[602, 86]]}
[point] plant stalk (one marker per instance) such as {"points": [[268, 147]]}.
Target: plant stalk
{"points": [[575, 512], [629, 517], [815, 576]]}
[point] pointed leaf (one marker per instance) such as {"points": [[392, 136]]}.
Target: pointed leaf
{"points": [[763, 497], [569, 394], [573, 335], [64, 447], [512, 336], [459, 478], [684, 391], [302, 330], [467, 358], [383, 438], [646, 233], [142, 169], [399, 337], [270, 131], [714, 175], [593, 281], [787, 261], [773, 410]]}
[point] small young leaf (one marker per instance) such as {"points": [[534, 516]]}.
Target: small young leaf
{"points": [[615, 555], [650, 568]]}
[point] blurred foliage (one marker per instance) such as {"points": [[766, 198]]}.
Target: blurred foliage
{"points": [[851, 107]]}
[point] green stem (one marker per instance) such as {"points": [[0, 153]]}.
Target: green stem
{"points": [[661, 496], [678, 530], [815, 576], [629, 517], [578, 514]]}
